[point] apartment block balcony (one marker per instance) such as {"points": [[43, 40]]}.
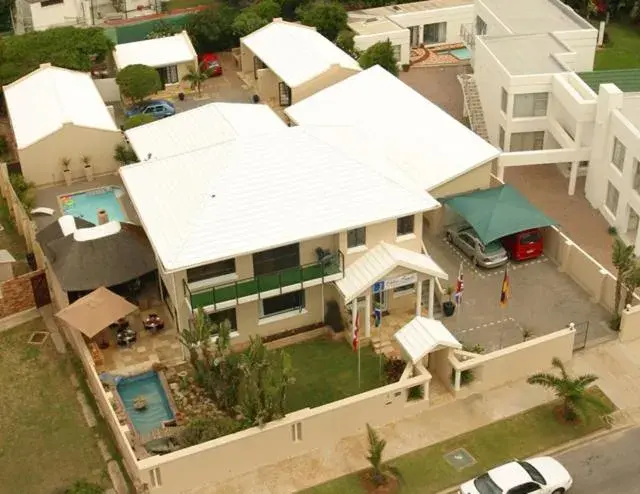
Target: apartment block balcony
{"points": [[327, 269], [468, 34]]}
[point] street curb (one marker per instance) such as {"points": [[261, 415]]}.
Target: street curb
{"points": [[622, 421]]}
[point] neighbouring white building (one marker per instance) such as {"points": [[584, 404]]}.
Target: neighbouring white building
{"points": [[172, 56], [534, 94], [410, 25]]}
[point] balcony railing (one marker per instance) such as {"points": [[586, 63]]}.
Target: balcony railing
{"points": [[271, 284], [468, 35]]}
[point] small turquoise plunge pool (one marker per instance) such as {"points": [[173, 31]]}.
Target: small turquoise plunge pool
{"points": [[86, 204], [149, 387]]}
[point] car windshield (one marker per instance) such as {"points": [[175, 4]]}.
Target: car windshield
{"points": [[530, 238], [491, 248], [485, 485], [533, 472]]}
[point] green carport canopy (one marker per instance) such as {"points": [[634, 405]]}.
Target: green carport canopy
{"points": [[498, 212]]}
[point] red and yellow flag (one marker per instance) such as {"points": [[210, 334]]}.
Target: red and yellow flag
{"points": [[505, 293]]}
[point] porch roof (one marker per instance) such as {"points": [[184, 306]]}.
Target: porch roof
{"points": [[423, 335], [380, 261], [94, 312]]}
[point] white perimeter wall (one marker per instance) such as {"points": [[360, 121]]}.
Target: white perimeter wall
{"points": [[63, 14], [455, 17]]}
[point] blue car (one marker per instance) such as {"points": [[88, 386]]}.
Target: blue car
{"points": [[158, 108]]}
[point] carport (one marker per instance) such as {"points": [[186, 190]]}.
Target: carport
{"points": [[497, 212]]}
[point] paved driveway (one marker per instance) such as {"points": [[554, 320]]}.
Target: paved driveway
{"points": [[542, 300]]}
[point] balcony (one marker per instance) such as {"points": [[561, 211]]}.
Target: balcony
{"points": [[223, 296], [468, 35]]}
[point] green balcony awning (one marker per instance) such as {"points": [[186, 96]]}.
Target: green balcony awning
{"points": [[498, 212]]}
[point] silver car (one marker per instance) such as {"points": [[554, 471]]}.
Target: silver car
{"points": [[466, 239]]}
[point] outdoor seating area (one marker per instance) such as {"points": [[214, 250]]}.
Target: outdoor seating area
{"points": [[449, 54]]}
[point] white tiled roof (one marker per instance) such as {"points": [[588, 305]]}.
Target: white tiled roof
{"points": [[257, 193], [423, 335], [382, 116], [43, 101], [158, 52], [296, 53], [380, 261], [202, 127]]}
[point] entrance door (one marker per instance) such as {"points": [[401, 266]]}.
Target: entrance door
{"points": [[381, 299], [414, 36], [284, 93]]}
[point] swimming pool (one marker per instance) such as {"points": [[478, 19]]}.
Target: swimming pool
{"points": [[158, 408], [87, 204], [461, 53]]}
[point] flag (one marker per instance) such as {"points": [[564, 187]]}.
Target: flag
{"points": [[377, 316], [459, 287], [355, 332], [505, 293]]}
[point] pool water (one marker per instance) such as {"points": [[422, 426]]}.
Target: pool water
{"points": [[87, 204], [461, 53], [158, 409]]}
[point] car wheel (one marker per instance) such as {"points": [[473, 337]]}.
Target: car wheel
{"points": [[558, 491]]}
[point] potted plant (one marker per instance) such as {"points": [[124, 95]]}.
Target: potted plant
{"points": [[181, 96], [88, 168], [406, 67], [66, 172], [448, 307]]}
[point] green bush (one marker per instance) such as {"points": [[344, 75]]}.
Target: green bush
{"points": [[137, 81], [380, 54], [204, 429], [138, 120], [25, 190], [84, 487]]}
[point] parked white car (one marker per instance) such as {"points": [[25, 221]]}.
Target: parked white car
{"points": [[543, 475]]}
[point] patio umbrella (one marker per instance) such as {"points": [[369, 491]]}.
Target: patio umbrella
{"points": [[105, 255]]}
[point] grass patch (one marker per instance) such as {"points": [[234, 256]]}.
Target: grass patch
{"points": [[425, 471], [45, 443], [623, 49], [327, 371], [11, 240]]}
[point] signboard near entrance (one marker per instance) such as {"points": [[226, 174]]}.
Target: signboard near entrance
{"points": [[397, 282], [378, 287]]}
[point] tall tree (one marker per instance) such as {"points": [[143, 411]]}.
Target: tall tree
{"points": [[212, 29], [248, 22], [328, 17], [138, 81], [195, 77], [576, 401], [380, 54]]}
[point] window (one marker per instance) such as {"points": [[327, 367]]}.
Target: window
{"points": [[48, 3], [530, 105], [532, 237], [221, 316], [632, 225], [504, 100], [636, 176], [501, 137], [405, 225], [397, 54], [404, 290], [209, 271], [356, 237], [485, 485], [533, 472], [527, 488], [272, 260], [527, 141], [481, 26], [172, 74], [619, 151], [612, 199], [435, 33], [281, 304]]}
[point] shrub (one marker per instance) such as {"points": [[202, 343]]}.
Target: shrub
{"points": [[333, 316], [393, 369], [84, 487], [328, 17], [137, 120], [416, 393], [124, 155], [25, 190], [138, 81], [204, 429], [4, 146], [380, 54]]}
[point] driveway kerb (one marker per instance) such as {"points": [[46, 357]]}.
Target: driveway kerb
{"points": [[622, 421]]}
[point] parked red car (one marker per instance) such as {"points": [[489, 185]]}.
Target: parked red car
{"points": [[210, 61], [524, 245]]}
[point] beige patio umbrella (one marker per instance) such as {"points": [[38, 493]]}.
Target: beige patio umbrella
{"points": [[94, 312]]}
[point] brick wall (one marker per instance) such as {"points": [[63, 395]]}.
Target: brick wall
{"points": [[17, 294]]}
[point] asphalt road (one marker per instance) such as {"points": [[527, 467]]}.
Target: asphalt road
{"points": [[610, 465]]}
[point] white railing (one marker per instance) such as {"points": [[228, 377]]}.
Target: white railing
{"points": [[468, 35]]}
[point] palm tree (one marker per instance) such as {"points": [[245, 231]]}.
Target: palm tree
{"points": [[196, 77], [631, 283], [623, 259], [376, 447], [572, 391]]}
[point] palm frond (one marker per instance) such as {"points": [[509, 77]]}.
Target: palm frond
{"points": [[586, 379], [557, 363]]}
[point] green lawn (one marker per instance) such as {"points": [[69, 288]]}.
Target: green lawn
{"points": [[45, 443], [425, 471], [327, 371], [623, 49]]}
